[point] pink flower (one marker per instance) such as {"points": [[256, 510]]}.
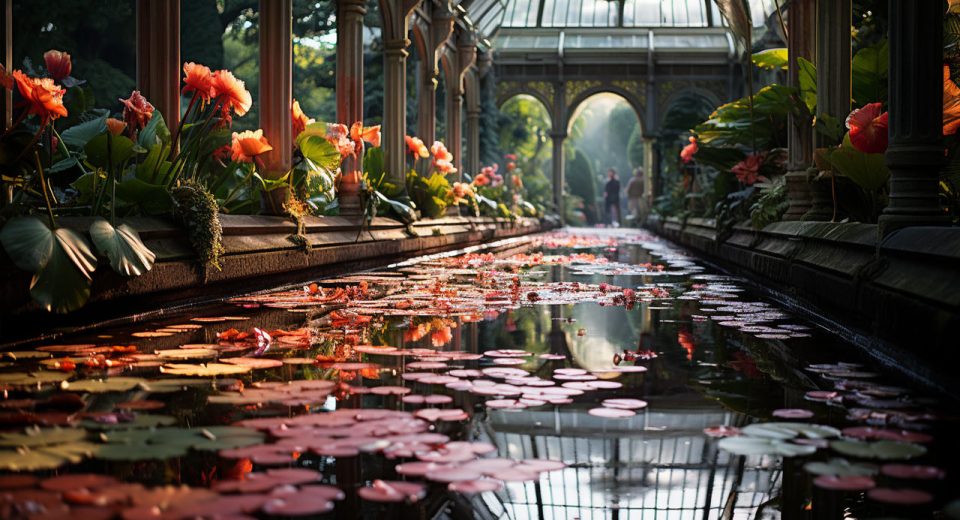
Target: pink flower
{"points": [[58, 63], [748, 170], [339, 136], [868, 128], [686, 155], [442, 158]]}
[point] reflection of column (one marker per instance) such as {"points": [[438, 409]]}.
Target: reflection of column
{"points": [[276, 85], [350, 92], [558, 178], [158, 56], [915, 154], [799, 137], [395, 14]]}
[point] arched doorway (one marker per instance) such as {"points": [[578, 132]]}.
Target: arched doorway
{"points": [[525, 128], [683, 112], [604, 132]]}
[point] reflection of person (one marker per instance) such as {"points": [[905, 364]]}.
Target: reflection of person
{"points": [[611, 198], [635, 202]]}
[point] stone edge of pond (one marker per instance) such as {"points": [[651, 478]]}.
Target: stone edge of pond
{"points": [[899, 298]]}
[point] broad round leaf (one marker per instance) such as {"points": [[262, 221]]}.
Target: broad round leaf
{"points": [[63, 283], [28, 242], [123, 247]]}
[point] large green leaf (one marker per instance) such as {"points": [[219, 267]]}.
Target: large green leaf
{"points": [[153, 199], [373, 163], [123, 247], [869, 80], [155, 132], [771, 58], [808, 83], [78, 136], [403, 211], [63, 285], [320, 152], [28, 242], [121, 149], [867, 170], [155, 168]]}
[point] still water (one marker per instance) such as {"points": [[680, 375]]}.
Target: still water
{"points": [[584, 374]]}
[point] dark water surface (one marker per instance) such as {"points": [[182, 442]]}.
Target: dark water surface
{"points": [[475, 386]]}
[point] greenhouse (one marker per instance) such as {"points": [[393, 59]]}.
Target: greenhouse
{"points": [[479, 259]]}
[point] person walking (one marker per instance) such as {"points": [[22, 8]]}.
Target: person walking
{"points": [[611, 198], [635, 202]]}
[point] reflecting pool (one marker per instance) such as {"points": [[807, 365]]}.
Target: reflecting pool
{"points": [[583, 374]]}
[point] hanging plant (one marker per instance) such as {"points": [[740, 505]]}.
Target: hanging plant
{"points": [[196, 209]]}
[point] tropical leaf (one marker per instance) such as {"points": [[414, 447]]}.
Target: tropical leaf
{"points": [[78, 136], [28, 242], [771, 59], [154, 132], [155, 169], [123, 247], [403, 211], [737, 15], [867, 170], [808, 83], [153, 199], [870, 70], [373, 163], [319, 151]]}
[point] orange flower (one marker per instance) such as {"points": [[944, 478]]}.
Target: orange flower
{"points": [[416, 147], [868, 128], [339, 136], [517, 181], [481, 180], [58, 64], [198, 78], [137, 111], [951, 103], [300, 120], [461, 191], [248, 145], [43, 95], [748, 170], [686, 155], [442, 159], [115, 126], [441, 336], [370, 134], [231, 92]]}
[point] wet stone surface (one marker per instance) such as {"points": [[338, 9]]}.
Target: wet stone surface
{"points": [[596, 374]]}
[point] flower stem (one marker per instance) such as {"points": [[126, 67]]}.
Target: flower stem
{"points": [[43, 187]]}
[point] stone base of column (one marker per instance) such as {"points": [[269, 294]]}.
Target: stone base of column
{"points": [[798, 195], [890, 223], [348, 193], [821, 208]]}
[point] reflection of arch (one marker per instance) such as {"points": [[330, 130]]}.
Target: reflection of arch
{"points": [[576, 105]]}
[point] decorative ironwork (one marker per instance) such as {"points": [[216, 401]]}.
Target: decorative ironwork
{"points": [[573, 89]]}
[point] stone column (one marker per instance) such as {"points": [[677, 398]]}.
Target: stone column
{"points": [[473, 140], [833, 18], [800, 44], [158, 56], [466, 56], [441, 27], [558, 175], [395, 15], [648, 166], [350, 93], [915, 152], [276, 82], [6, 25]]}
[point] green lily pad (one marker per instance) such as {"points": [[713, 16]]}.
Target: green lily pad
{"points": [[123, 247], [840, 468], [141, 420], [43, 448], [187, 353], [883, 450], [174, 442], [166, 386], [742, 445], [99, 386], [790, 430], [203, 370], [138, 452], [33, 379], [36, 437], [27, 354], [29, 460]]}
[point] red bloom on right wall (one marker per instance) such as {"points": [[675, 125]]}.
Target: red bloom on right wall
{"points": [[868, 128]]}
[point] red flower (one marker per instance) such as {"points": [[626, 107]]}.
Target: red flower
{"points": [[686, 155], [248, 145], [58, 64], [137, 111], [748, 170], [43, 95], [300, 120], [231, 92], [198, 78], [868, 129]]}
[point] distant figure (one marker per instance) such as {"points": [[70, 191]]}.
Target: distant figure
{"points": [[611, 198], [635, 202]]}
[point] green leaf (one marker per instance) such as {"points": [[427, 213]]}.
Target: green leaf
{"points": [[319, 151], [155, 132], [155, 168], [404, 212], [373, 163], [78, 136], [153, 199], [63, 285], [870, 69], [121, 150], [763, 446], [771, 59], [63, 164], [808, 83], [122, 246], [867, 170], [28, 242], [883, 450], [737, 15]]}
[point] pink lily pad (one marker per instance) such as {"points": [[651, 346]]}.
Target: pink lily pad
{"points": [[392, 491], [903, 497], [611, 413], [844, 483], [792, 413], [469, 487], [625, 404]]}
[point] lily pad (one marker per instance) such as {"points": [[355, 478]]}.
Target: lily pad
{"points": [[764, 446], [840, 468], [883, 450], [790, 430], [123, 247], [99, 386], [204, 370]]}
